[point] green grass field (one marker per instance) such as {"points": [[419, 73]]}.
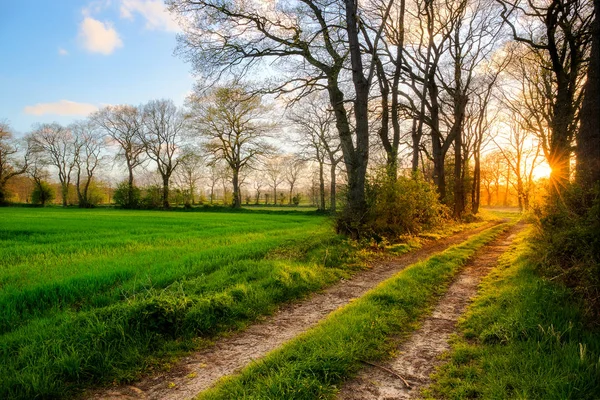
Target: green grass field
{"points": [[95, 296]]}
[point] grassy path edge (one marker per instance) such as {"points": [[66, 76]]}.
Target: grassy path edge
{"points": [[522, 337], [315, 363]]}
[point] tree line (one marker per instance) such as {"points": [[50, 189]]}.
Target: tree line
{"points": [[420, 87], [430, 75]]}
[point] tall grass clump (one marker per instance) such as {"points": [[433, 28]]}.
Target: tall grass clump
{"points": [[568, 243]]}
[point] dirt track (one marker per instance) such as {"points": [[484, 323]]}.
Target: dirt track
{"points": [[201, 370], [419, 355]]}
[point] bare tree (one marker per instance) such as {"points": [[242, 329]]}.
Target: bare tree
{"points": [[522, 156], [293, 168], [88, 146], [37, 172], [232, 122], [315, 135], [123, 124], [214, 173], [190, 173], [316, 45], [274, 169], [57, 144], [164, 127], [10, 166], [258, 183]]}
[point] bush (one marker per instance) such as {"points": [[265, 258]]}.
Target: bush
{"points": [[122, 198], [152, 197], [568, 242], [407, 205], [42, 194]]}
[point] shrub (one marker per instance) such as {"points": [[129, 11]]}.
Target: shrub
{"points": [[122, 197], [406, 205], [152, 197], [42, 193]]}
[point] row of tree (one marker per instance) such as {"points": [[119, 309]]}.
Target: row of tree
{"points": [[419, 73], [224, 135]]}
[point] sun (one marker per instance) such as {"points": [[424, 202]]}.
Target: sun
{"points": [[541, 171]]}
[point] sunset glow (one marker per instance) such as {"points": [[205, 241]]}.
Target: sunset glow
{"points": [[542, 171]]}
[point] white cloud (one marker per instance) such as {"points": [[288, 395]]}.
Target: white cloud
{"points": [[154, 11], [62, 107], [62, 52], [98, 37]]}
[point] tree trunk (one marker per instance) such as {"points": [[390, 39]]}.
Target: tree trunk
{"points": [[476, 193], [588, 138], [130, 202], [237, 201], [416, 139], [507, 188], [332, 188], [165, 192], [64, 193], [459, 187], [321, 187]]}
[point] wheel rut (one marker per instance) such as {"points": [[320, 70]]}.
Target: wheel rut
{"points": [[200, 370], [405, 376]]}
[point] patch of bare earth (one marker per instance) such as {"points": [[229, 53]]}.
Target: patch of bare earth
{"points": [[200, 370], [405, 376]]}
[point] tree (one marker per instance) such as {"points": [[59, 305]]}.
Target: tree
{"points": [[294, 166], [123, 125], [318, 142], [588, 138], [556, 35], [231, 120], [274, 169], [56, 143], [521, 155], [42, 193], [10, 166], [88, 147], [190, 173], [315, 44], [258, 183], [164, 127]]}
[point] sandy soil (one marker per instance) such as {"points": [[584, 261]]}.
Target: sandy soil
{"points": [[405, 376], [201, 370]]}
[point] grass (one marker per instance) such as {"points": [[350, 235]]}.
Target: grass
{"points": [[313, 365], [90, 297], [524, 337]]}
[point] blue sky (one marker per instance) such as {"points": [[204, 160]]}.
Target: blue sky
{"points": [[62, 59]]}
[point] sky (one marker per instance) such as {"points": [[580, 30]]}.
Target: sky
{"points": [[62, 59]]}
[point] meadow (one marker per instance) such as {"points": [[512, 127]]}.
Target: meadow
{"points": [[91, 297]]}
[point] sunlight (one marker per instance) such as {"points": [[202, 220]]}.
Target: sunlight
{"points": [[542, 171]]}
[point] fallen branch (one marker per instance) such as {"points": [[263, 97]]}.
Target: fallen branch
{"points": [[397, 375]]}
